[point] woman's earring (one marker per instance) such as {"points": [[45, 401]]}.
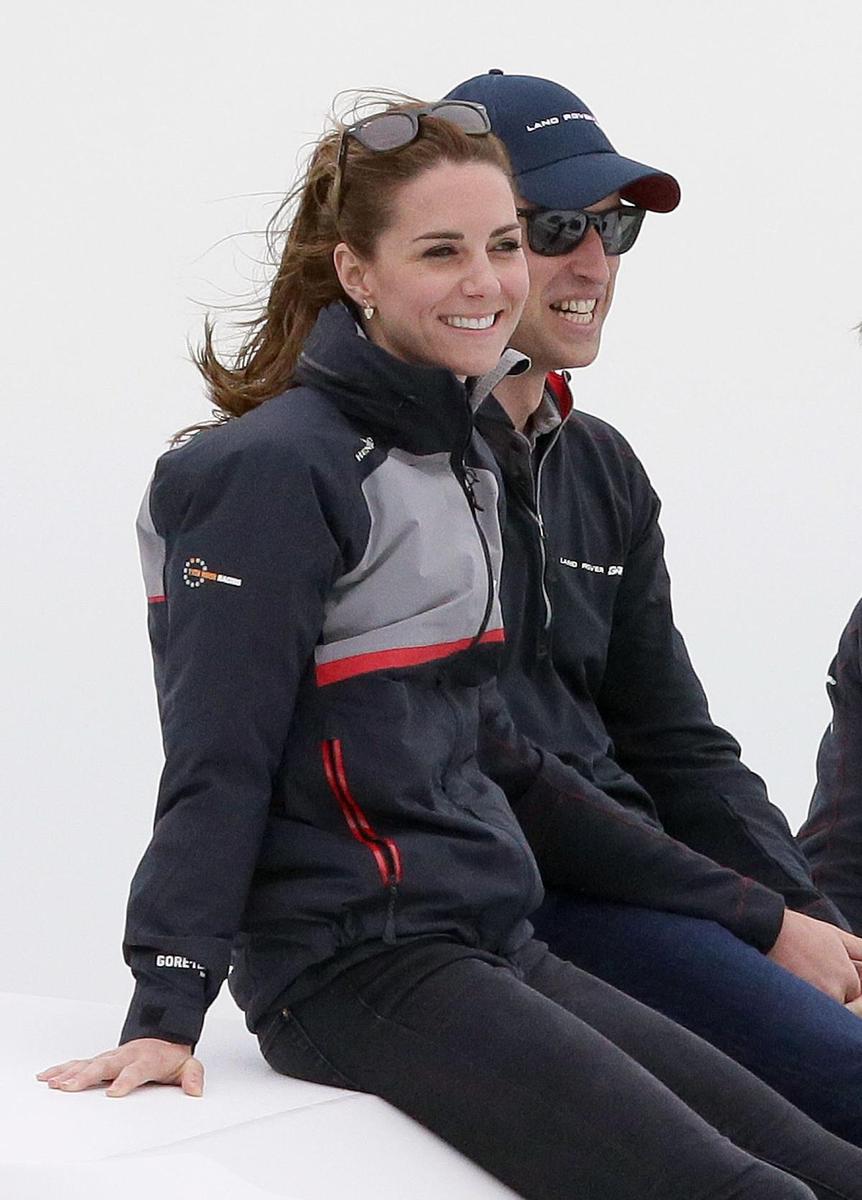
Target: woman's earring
{"points": [[368, 311]]}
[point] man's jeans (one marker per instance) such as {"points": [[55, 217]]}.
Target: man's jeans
{"points": [[804, 1044], [556, 1083]]}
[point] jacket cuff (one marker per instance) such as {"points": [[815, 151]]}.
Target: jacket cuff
{"points": [[760, 916], [152, 1014]]}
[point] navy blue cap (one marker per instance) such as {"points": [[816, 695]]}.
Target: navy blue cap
{"points": [[560, 156]]}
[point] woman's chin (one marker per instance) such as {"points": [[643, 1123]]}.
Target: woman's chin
{"points": [[478, 361]]}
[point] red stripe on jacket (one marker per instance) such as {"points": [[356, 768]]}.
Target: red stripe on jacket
{"points": [[357, 822], [405, 656]]}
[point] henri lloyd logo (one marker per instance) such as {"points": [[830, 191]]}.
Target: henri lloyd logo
{"points": [[545, 122], [367, 447]]}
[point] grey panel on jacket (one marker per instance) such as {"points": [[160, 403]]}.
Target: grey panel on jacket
{"points": [[152, 549], [413, 588]]}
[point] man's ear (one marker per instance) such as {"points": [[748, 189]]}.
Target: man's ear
{"points": [[351, 271]]}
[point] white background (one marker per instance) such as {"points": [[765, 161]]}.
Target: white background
{"points": [[138, 137]]}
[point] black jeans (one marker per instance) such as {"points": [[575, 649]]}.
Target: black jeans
{"points": [[558, 1084]]}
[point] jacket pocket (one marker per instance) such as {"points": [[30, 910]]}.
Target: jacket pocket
{"points": [[384, 850]]}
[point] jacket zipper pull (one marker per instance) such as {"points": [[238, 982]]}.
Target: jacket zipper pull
{"points": [[389, 929], [470, 481]]}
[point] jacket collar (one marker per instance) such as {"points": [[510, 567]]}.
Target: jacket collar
{"points": [[495, 425], [556, 393], [424, 410], [557, 385], [512, 362]]}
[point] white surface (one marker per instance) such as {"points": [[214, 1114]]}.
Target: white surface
{"points": [[88, 1126], [356, 1147], [142, 141], [190, 1176], [252, 1134]]}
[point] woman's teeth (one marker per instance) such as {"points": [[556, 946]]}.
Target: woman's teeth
{"points": [[579, 312], [471, 322]]}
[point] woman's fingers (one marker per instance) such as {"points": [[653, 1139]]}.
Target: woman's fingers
{"points": [[187, 1073], [129, 1078], [192, 1077], [89, 1072], [53, 1072], [68, 1068], [145, 1060]]}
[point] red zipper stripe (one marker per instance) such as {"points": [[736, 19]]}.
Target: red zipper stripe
{"points": [[156, 599], [405, 656], [357, 822], [364, 823], [348, 813]]}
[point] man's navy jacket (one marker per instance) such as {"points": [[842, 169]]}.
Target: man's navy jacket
{"points": [[595, 670]]}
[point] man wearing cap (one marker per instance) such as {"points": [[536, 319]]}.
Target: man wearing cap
{"points": [[597, 673]]}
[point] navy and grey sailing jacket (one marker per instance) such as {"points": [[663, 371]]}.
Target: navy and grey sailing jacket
{"points": [[325, 627], [323, 610], [832, 834], [596, 672]]}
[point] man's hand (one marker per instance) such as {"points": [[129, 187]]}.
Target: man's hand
{"points": [[822, 955], [145, 1060]]}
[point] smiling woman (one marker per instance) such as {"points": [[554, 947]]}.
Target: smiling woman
{"points": [[346, 235], [322, 823], [443, 293]]}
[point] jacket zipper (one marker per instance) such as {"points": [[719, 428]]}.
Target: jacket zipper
{"points": [[543, 548], [385, 850], [467, 477], [534, 511]]}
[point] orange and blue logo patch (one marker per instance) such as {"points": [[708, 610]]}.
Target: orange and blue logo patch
{"points": [[196, 574]]}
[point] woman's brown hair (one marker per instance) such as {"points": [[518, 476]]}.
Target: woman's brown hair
{"points": [[309, 228]]}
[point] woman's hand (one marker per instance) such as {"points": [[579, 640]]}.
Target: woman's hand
{"points": [[145, 1060]]}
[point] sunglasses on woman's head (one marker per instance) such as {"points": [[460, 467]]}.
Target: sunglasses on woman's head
{"points": [[554, 231], [399, 127]]}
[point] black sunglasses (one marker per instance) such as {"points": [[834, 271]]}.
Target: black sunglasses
{"points": [[398, 127], [553, 231]]}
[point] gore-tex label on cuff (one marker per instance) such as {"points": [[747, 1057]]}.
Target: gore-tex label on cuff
{"points": [[178, 961]]}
